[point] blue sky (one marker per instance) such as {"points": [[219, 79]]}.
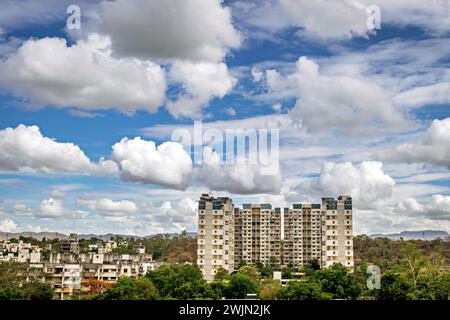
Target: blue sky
{"points": [[360, 111]]}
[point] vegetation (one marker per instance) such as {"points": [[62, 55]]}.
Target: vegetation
{"points": [[176, 249], [19, 282], [409, 270]]}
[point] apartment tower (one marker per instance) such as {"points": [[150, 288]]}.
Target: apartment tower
{"points": [[257, 234], [302, 234], [337, 231], [215, 242], [229, 236]]}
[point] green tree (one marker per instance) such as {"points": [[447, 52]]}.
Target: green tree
{"points": [[38, 291], [337, 281], [221, 274], [306, 289], [393, 287], [251, 272], [415, 262], [11, 293], [239, 285], [271, 290], [181, 282], [311, 267], [131, 289], [288, 273]]}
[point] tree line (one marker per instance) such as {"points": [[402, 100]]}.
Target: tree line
{"points": [[409, 270]]}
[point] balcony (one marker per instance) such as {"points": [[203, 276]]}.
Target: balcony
{"points": [[216, 262]]}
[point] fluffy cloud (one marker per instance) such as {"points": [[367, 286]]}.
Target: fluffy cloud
{"points": [[108, 207], [201, 82], [327, 19], [24, 148], [348, 103], [366, 182], [196, 30], [240, 178], [435, 208], [437, 93], [84, 75], [434, 149], [170, 216], [51, 208], [8, 225], [48, 209], [142, 161]]}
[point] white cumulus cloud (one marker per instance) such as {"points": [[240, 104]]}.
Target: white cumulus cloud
{"points": [[142, 161], [434, 148], [201, 82], [436, 208], [365, 182], [240, 178], [170, 29], [348, 103], [8, 225], [108, 207], [85, 75], [51, 208], [24, 148], [338, 19]]}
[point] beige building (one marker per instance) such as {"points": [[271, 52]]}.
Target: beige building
{"points": [[302, 234], [337, 233], [215, 241], [228, 237], [257, 235]]}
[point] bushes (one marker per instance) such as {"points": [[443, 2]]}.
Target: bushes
{"points": [[305, 290], [130, 289], [29, 291]]}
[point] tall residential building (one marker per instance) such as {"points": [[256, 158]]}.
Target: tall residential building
{"points": [[257, 234], [302, 234], [215, 242], [228, 236], [321, 231], [337, 234]]}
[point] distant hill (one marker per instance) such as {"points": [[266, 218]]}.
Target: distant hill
{"points": [[108, 236], [35, 235], [413, 235], [104, 237], [171, 235]]}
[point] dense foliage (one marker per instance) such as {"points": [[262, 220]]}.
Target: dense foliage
{"points": [[409, 270], [19, 282]]}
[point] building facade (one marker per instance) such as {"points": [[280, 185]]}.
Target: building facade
{"points": [[337, 234], [257, 235], [215, 240], [229, 237], [302, 234]]}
